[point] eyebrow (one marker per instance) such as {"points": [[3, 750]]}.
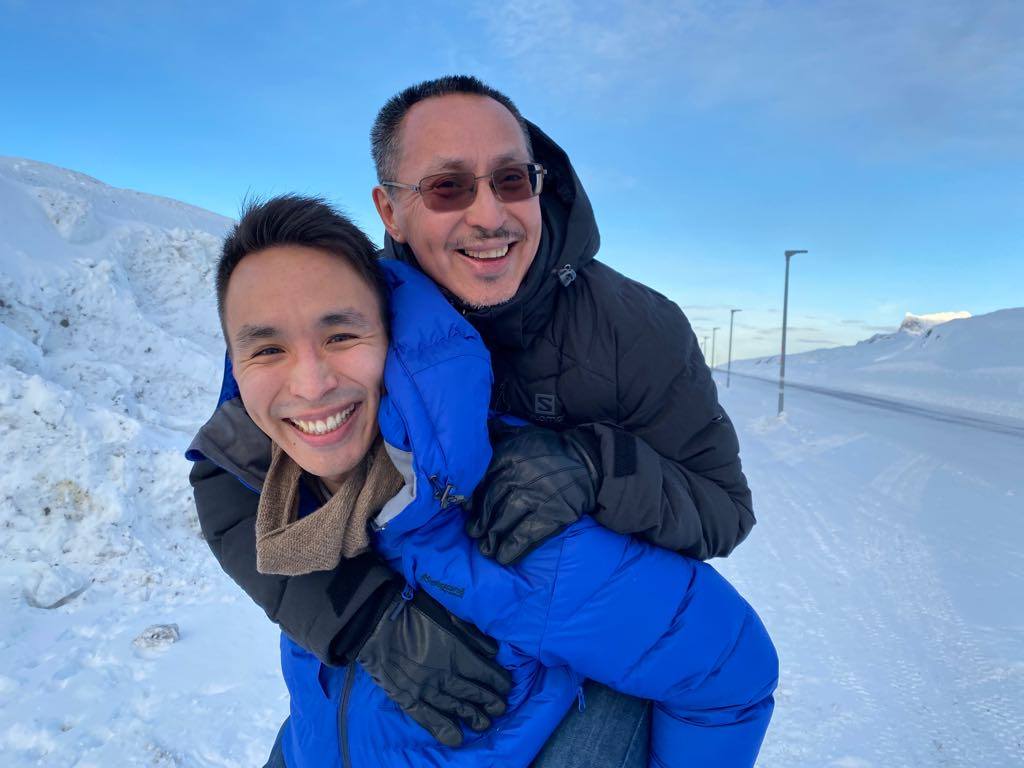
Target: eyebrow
{"points": [[441, 164], [345, 317], [249, 335]]}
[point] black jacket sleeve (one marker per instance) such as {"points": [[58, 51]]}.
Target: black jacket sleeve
{"points": [[329, 613], [671, 467]]}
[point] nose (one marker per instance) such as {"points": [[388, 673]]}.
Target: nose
{"points": [[486, 211], [311, 377]]}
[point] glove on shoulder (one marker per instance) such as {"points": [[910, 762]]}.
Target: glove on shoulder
{"points": [[539, 482]]}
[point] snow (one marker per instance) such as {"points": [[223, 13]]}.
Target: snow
{"points": [[888, 561], [888, 565], [109, 361], [945, 360]]}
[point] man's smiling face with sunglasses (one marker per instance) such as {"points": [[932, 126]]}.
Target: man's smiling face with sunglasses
{"points": [[465, 197]]}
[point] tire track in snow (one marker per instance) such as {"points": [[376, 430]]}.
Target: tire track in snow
{"points": [[880, 666]]}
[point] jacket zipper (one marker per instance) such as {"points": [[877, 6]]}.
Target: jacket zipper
{"points": [[350, 676], [445, 492]]}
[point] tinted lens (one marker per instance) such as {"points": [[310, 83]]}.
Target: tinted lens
{"points": [[515, 182], [448, 191]]}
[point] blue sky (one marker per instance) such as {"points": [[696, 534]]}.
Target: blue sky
{"points": [[887, 138]]}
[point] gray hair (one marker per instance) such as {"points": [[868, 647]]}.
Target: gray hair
{"points": [[386, 131]]}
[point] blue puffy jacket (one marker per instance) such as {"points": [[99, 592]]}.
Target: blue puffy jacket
{"points": [[588, 603]]}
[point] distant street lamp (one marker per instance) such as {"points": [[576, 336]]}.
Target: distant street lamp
{"points": [[728, 374], [785, 312], [704, 348], [714, 332]]}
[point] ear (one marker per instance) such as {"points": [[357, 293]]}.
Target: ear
{"points": [[386, 211]]}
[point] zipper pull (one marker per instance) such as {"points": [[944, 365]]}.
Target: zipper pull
{"points": [[407, 595], [445, 493], [566, 274], [450, 498]]}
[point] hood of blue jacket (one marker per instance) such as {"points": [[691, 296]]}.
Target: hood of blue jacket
{"points": [[437, 389]]}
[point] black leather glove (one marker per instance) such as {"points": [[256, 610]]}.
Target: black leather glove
{"points": [[436, 667], [538, 483]]}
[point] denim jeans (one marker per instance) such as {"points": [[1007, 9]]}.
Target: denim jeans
{"points": [[611, 731], [276, 759]]}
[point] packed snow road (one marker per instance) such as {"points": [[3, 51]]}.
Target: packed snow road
{"points": [[888, 563], [1002, 424]]}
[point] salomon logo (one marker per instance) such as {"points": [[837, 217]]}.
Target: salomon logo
{"points": [[547, 409], [457, 591], [544, 405]]}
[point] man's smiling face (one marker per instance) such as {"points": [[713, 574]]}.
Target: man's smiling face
{"points": [[308, 348], [480, 254]]}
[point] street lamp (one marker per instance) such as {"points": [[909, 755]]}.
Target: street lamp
{"points": [[714, 332], [704, 348], [728, 374], [785, 312]]}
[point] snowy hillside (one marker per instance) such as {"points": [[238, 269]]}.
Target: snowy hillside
{"points": [[109, 359], [971, 363]]}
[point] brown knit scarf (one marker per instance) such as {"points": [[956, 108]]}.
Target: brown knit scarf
{"points": [[291, 546]]}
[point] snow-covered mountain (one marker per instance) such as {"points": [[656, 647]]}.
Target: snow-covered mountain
{"points": [[946, 359], [918, 324]]}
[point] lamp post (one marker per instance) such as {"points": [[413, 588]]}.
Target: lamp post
{"points": [[714, 332], [728, 374], [785, 313], [704, 348]]}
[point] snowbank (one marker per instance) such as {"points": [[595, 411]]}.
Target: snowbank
{"points": [[109, 360]]}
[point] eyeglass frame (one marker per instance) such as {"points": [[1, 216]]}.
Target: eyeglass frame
{"points": [[536, 168]]}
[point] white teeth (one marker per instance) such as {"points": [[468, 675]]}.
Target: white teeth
{"points": [[495, 253], [323, 426]]}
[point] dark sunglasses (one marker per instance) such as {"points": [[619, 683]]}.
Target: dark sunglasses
{"points": [[456, 191]]}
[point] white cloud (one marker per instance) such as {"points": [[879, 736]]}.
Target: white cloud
{"points": [[931, 73]]}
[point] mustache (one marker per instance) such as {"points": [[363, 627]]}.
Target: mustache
{"points": [[478, 237]]}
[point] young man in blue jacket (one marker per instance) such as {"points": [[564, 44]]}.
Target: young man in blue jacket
{"points": [[323, 350], [575, 346]]}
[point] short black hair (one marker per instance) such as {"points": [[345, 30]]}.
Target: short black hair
{"points": [[384, 143], [299, 220]]}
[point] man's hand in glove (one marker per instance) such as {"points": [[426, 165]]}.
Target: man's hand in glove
{"points": [[539, 482], [436, 667]]}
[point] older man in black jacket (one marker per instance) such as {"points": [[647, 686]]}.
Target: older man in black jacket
{"points": [[488, 206]]}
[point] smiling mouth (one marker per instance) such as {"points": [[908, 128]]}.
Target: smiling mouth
{"points": [[488, 255], [324, 426]]}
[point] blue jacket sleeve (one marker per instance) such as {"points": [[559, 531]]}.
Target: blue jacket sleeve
{"points": [[653, 624]]}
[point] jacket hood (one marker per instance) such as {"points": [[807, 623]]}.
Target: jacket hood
{"points": [[569, 240], [437, 389]]}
